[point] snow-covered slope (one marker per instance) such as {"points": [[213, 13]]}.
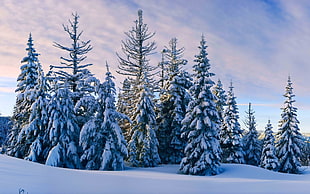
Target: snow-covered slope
{"points": [[16, 174]]}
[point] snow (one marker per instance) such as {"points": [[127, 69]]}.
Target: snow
{"points": [[16, 174]]}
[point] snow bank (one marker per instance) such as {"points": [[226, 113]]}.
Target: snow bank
{"points": [[34, 178]]}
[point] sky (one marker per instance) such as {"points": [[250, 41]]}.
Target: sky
{"points": [[256, 44]]}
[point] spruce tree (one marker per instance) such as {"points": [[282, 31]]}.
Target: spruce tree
{"points": [[221, 99], [63, 129], [26, 81], [269, 159], [143, 143], [251, 144], [289, 139], [101, 138], [173, 104], [200, 125], [137, 49], [34, 134], [231, 133], [124, 106], [75, 75]]}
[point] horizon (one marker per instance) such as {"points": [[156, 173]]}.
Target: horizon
{"points": [[255, 44]]}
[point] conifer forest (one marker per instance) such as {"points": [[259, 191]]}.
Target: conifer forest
{"points": [[162, 113]]}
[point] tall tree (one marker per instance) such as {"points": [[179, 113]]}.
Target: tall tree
{"points": [[26, 81], [143, 144], [101, 138], [290, 141], [137, 49], [73, 74], [231, 133], [269, 159], [221, 99], [251, 144], [34, 134], [202, 154], [173, 104]]}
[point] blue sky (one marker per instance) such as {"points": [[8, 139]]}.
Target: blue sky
{"points": [[254, 43]]}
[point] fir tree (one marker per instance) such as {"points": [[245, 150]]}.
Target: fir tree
{"points": [[269, 159], [35, 133], [136, 49], [202, 154], [124, 106], [143, 143], [26, 81], [231, 133], [173, 104], [73, 74], [103, 143], [251, 144], [63, 130], [221, 99], [290, 140]]}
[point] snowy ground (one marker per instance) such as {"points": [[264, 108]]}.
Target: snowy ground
{"points": [[16, 174]]}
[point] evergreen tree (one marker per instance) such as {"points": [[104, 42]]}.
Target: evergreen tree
{"points": [[124, 106], [290, 140], [34, 134], [231, 133], [136, 49], [26, 81], [73, 74], [104, 146], [221, 99], [202, 154], [143, 143], [252, 146], [269, 159], [173, 106], [63, 130]]}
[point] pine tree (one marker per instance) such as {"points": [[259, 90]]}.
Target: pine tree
{"points": [[173, 104], [143, 143], [290, 140], [124, 106], [35, 133], [104, 146], [202, 154], [231, 133], [136, 49], [26, 81], [251, 144], [63, 130], [221, 99], [75, 75], [269, 159]]}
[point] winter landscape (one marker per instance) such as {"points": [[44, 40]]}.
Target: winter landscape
{"points": [[154, 120]]}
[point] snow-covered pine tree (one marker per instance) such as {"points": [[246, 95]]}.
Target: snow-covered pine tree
{"points": [[35, 134], [251, 144], [137, 49], [231, 133], [269, 159], [26, 81], [143, 143], [101, 138], [203, 152], [63, 130], [75, 75], [173, 104], [289, 140], [124, 106], [221, 99]]}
